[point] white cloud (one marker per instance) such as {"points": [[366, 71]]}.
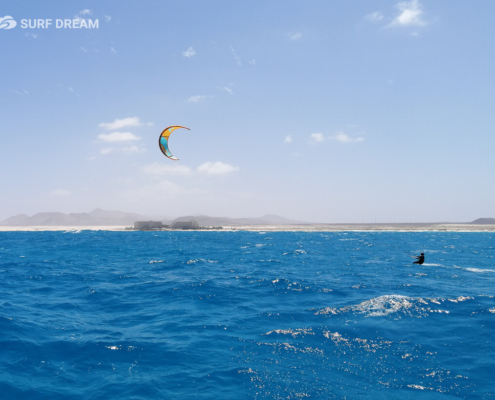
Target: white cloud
{"points": [[190, 52], [410, 14], [72, 91], [288, 139], [226, 89], [236, 57], [108, 18], [317, 137], [295, 36], [112, 50], [376, 16], [80, 14], [118, 137], [344, 138], [60, 193], [159, 169], [122, 123], [126, 150], [216, 168], [195, 99]]}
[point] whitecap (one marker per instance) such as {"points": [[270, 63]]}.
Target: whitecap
{"points": [[389, 304], [479, 270]]}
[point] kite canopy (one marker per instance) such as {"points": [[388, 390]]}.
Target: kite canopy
{"points": [[163, 140]]}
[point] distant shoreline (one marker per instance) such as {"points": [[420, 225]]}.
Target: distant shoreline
{"points": [[412, 227]]}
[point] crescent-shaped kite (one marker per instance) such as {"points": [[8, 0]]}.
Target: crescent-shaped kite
{"points": [[163, 141]]}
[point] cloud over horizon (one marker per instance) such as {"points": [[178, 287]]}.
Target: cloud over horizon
{"points": [[60, 193], [208, 168], [345, 138], [118, 137], [158, 169], [216, 168], [125, 150], [123, 123], [317, 137]]}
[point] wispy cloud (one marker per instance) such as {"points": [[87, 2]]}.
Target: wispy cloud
{"points": [[118, 137], [410, 14], [288, 139], [159, 169], [295, 36], [317, 137], [60, 193], [112, 50], [83, 13], [195, 99], [123, 123], [126, 150], [236, 57], [376, 16], [344, 138], [190, 52], [21, 93], [108, 18], [216, 168], [226, 89], [73, 91]]}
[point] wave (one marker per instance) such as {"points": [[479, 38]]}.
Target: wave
{"points": [[394, 304]]}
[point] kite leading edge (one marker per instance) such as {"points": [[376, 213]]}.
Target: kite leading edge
{"points": [[163, 140]]}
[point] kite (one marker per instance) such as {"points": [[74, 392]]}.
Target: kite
{"points": [[163, 141]]}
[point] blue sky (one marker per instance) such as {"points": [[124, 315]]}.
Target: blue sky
{"points": [[323, 111]]}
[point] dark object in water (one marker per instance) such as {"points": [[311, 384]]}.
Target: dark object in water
{"points": [[421, 259]]}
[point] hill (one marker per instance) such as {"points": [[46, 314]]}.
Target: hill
{"points": [[484, 221], [97, 217]]}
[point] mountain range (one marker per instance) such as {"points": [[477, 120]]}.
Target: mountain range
{"points": [[99, 217]]}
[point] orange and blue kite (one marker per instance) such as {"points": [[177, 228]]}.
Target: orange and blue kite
{"points": [[163, 141]]}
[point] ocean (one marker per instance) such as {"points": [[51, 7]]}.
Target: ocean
{"points": [[247, 315]]}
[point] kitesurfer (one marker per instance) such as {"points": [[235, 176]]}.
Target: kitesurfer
{"points": [[421, 259]]}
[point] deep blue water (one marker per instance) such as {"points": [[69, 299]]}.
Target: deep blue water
{"points": [[246, 315]]}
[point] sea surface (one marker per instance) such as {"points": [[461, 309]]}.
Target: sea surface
{"points": [[247, 315]]}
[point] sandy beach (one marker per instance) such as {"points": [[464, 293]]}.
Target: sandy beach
{"points": [[287, 228]]}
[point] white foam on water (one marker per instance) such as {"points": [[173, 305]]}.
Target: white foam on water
{"points": [[419, 387], [292, 332], [384, 305], [394, 304], [479, 270]]}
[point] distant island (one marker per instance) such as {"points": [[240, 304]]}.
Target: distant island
{"points": [[99, 219]]}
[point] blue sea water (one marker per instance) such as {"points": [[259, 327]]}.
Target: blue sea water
{"points": [[246, 315]]}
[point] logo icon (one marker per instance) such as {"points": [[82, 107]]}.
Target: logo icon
{"points": [[7, 22]]}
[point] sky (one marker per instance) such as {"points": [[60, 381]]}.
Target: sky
{"points": [[319, 111]]}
